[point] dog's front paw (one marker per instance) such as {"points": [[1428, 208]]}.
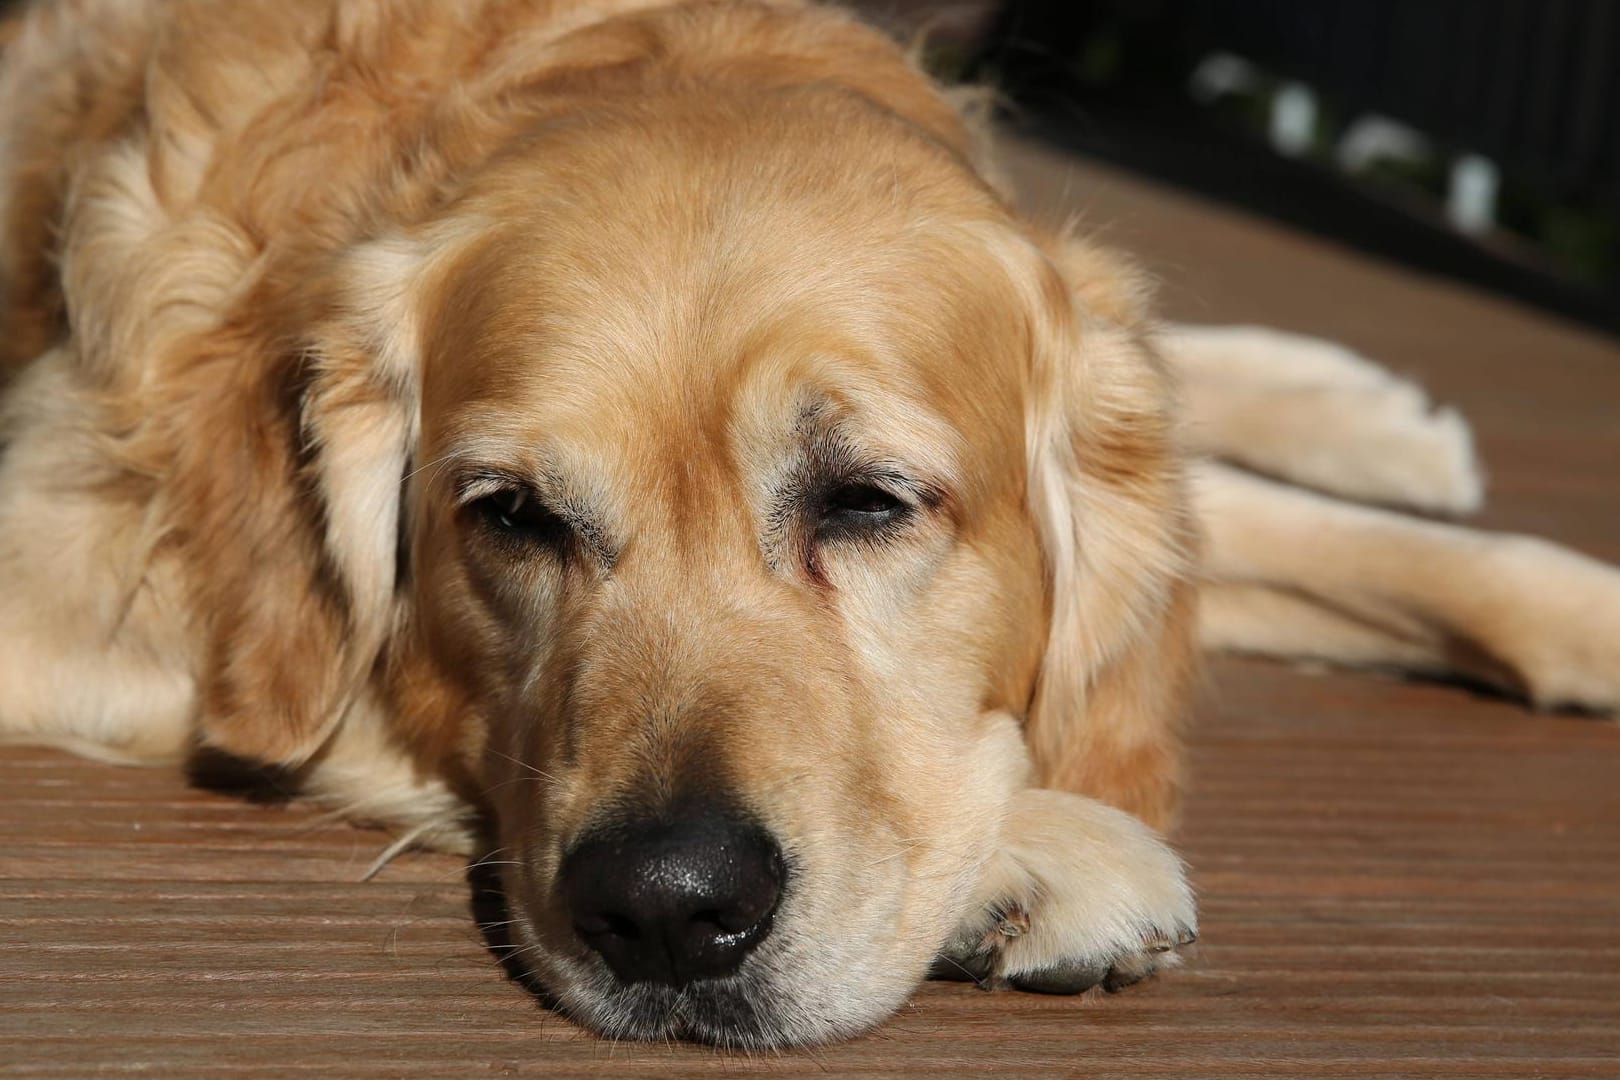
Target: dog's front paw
{"points": [[1080, 895]]}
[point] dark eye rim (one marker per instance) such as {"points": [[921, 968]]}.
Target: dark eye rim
{"points": [[515, 515], [859, 506]]}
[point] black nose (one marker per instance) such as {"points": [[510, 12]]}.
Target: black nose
{"points": [[674, 900]]}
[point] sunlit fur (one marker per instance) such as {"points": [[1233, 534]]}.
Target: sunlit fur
{"points": [[289, 286]]}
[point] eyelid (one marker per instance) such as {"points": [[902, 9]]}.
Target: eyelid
{"points": [[913, 494], [481, 485], [835, 499], [831, 522]]}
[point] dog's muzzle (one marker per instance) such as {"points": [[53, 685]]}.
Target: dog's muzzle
{"points": [[675, 899]]}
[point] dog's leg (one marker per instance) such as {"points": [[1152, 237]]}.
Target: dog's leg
{"points": [[1315, 413], [1078, 895], [94, 656], [1296, 574]]}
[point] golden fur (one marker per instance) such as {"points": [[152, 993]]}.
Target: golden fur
{"points": [[298, 296]]}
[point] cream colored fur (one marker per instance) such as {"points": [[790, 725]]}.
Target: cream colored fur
{"points": [[96, 650], [1078, 893], [1291, 573], [1311, 575], [1313, 413]]}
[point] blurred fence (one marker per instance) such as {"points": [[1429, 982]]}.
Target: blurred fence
{"points": [[1532, 84]]}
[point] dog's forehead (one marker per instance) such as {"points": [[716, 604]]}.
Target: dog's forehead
{"points": [[738, 406], [687, 353], [631, 427]]}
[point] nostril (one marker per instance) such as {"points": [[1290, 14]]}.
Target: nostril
{"points": [[595, 924], [734, 921], [675, 900]]}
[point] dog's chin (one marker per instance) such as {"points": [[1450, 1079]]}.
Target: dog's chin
{"points": [[746, 1011], [763, 1006], [738, 1011]]}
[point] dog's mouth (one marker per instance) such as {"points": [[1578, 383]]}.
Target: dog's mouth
{"points": [[737, 1011]]}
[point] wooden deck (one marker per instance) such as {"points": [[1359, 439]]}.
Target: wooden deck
{"points": [[1395, 879]]}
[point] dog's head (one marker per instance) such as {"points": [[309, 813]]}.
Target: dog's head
{"points": [[776, 505]]}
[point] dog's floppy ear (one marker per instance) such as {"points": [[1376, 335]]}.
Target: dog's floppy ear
{"points": [[300, 585], [1107, 496]]}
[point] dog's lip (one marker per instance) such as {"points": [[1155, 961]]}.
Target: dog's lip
{"points": [[730, 1011]]}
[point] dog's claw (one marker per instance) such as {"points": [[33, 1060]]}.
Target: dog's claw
{"points": [[979, 962], [982, 956]]}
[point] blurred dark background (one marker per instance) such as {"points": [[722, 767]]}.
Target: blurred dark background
{"points": [[1476, 139]]}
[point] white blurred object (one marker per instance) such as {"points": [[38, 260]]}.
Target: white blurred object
{"points": [[1374, 138], [1221, 74], [1293, 119], [1471, 198]]}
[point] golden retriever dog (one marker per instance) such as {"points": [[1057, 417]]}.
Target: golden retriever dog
{"points": [[637, 440]]}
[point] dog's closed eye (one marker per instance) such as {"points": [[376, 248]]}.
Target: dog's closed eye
{"points": [[858, 507], [517, 516]]}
